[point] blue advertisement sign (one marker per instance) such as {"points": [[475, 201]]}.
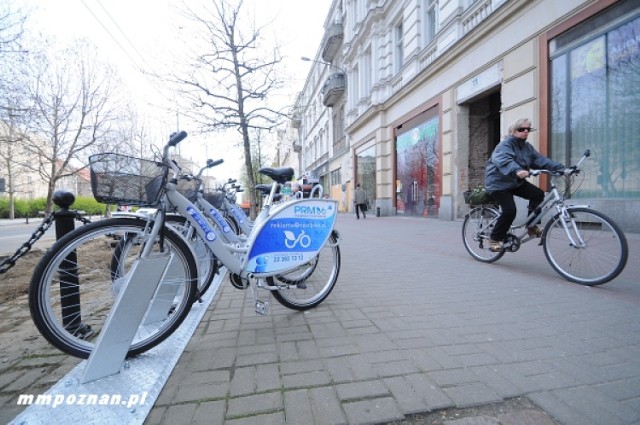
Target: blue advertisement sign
{"points": [[292, 236]]}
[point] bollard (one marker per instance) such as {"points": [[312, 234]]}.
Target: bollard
{"points": [[377, 211], [69, 283]]}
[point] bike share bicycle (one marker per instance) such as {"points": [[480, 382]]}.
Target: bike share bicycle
{"points": [[581, 244], [75, 283]]}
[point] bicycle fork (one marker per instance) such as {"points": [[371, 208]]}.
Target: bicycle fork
{"points": [[577, 241]]}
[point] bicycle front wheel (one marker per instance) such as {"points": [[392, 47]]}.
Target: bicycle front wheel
{"points": [[476, 231], [308, 285], [74, 287], [585, 246]]}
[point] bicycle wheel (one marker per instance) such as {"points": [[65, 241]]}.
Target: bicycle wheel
{"points": [[308, 285], [476, 230], [600, 250], [207, 262], [73, 287]]}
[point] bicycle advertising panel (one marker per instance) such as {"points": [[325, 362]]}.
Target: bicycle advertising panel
{"points": [[293, 235]]}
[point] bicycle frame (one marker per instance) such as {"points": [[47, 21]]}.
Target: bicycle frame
{"points": [[266, 252]]}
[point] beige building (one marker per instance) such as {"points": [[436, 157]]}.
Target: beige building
{"points": [[409, 98]]}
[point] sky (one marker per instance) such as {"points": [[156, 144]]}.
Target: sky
{"points": [[134, 34]]}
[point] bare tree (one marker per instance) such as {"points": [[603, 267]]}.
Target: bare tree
{"points": [[231, 79], [73, 109], [12, 122]]}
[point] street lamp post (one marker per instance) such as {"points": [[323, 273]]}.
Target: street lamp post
{"points": [[342, 71]]}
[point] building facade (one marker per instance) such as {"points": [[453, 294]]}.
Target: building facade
{"points": [[431, 86]]}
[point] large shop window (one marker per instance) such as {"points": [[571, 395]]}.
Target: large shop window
{"points": [[595, 101], [418, 186], [366, 173]]}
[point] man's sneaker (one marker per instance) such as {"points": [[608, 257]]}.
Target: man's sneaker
{"points": [[495, 246], [534, 231]]}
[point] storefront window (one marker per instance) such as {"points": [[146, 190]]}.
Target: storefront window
{"points": [[366, 173], [595, 104], [418, 186]]}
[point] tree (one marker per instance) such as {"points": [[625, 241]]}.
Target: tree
{"points": [[72, 109], [12, 115], [230, 80]]}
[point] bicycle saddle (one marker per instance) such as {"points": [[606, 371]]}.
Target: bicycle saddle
{"points": [[265, 189], [280, 175]]}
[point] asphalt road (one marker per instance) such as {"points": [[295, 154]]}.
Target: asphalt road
{"points": [[13, 233]]}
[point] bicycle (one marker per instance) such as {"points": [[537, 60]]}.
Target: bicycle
{"points": [[581, 244], [74, 284]]}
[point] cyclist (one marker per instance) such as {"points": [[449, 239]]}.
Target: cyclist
{"points": [[505, 175]]}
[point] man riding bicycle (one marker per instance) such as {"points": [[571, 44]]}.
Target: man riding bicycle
{"points": [[505, 175]]}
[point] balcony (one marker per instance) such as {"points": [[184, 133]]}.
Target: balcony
{"points": [[331, 42], [333, 89]]}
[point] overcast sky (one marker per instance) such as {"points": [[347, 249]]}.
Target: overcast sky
{"points": [[134, 33]]}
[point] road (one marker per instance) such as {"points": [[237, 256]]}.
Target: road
{"points": [[13, 233]]}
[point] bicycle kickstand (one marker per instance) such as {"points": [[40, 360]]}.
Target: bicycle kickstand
{"points": [[261, 307]]}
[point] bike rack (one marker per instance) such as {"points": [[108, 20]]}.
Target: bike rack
{"points": [[125, 317]]}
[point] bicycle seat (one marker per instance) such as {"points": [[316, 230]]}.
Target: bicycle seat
{"points": [[280, 175], [265, 189]]}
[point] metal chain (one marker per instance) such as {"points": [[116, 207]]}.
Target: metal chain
{"points": [[9, 262]]}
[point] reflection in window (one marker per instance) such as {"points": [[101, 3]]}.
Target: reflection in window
{"points": [[595, 104], [366, 173], [418, 186]]}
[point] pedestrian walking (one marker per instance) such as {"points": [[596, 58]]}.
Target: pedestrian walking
{"points": [[360, 202]]}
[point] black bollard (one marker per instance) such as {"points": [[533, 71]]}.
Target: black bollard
{"points": [[69, 282]]}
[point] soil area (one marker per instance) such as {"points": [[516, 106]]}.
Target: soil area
{"points": [[15, 282], [514, 411]]}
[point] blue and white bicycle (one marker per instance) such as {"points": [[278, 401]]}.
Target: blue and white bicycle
{"points": [[292, 252]]}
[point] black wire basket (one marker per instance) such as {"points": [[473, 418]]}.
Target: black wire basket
{"points": [[189, 188], [125, 180]]}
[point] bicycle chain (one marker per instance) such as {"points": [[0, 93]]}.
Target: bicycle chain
{"points": [[9, 262]]}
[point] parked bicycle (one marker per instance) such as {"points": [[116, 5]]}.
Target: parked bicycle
{"points": [[581, 244], [75, 284]]}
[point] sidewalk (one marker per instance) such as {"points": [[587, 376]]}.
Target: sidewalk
{"points": [[414, 325]]}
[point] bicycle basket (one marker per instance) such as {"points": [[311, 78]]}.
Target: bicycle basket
{"points": [[214, 198], [477, 196], [125, 180], [189, 188]]}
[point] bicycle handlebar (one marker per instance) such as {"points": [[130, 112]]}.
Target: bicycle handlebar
{"points": [[567, 171], [176, 138]]}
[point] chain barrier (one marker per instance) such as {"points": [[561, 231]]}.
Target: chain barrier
{"points": [[9, 262]]}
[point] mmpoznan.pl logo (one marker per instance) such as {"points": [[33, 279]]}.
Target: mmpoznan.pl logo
{"points": [[56, 400]]}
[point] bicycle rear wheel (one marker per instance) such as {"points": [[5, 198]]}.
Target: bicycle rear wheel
{"points": [[476, 230], [73, 287], [308, 285], [600, 250]]}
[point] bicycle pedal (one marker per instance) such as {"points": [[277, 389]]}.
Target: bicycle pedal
{"points": [[262, 307]]}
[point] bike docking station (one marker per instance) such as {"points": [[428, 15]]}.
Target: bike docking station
{"points": [[107, 387], [291, 236]]}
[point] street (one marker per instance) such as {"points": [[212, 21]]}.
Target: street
{"points": [[13, 233]]}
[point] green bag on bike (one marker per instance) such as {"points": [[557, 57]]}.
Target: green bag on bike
{"points": [[477, 196]]}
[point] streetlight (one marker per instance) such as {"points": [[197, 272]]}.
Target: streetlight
{"points": [[306, 59]]}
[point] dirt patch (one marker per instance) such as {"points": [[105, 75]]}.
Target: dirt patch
{"points": [[519, 410], [15, 282]]}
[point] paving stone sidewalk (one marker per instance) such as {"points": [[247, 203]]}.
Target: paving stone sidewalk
{"points": [[414, 325]]}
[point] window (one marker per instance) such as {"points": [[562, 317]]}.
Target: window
{"points": [[399, 48], [594, 101], [336, 177], [430, 21], [367, 71]]}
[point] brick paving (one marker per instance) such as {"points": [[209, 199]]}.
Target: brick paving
{"points": [[414, 325]]}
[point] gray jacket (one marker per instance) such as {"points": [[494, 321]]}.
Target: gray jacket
{"points": [[510, 156]]}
